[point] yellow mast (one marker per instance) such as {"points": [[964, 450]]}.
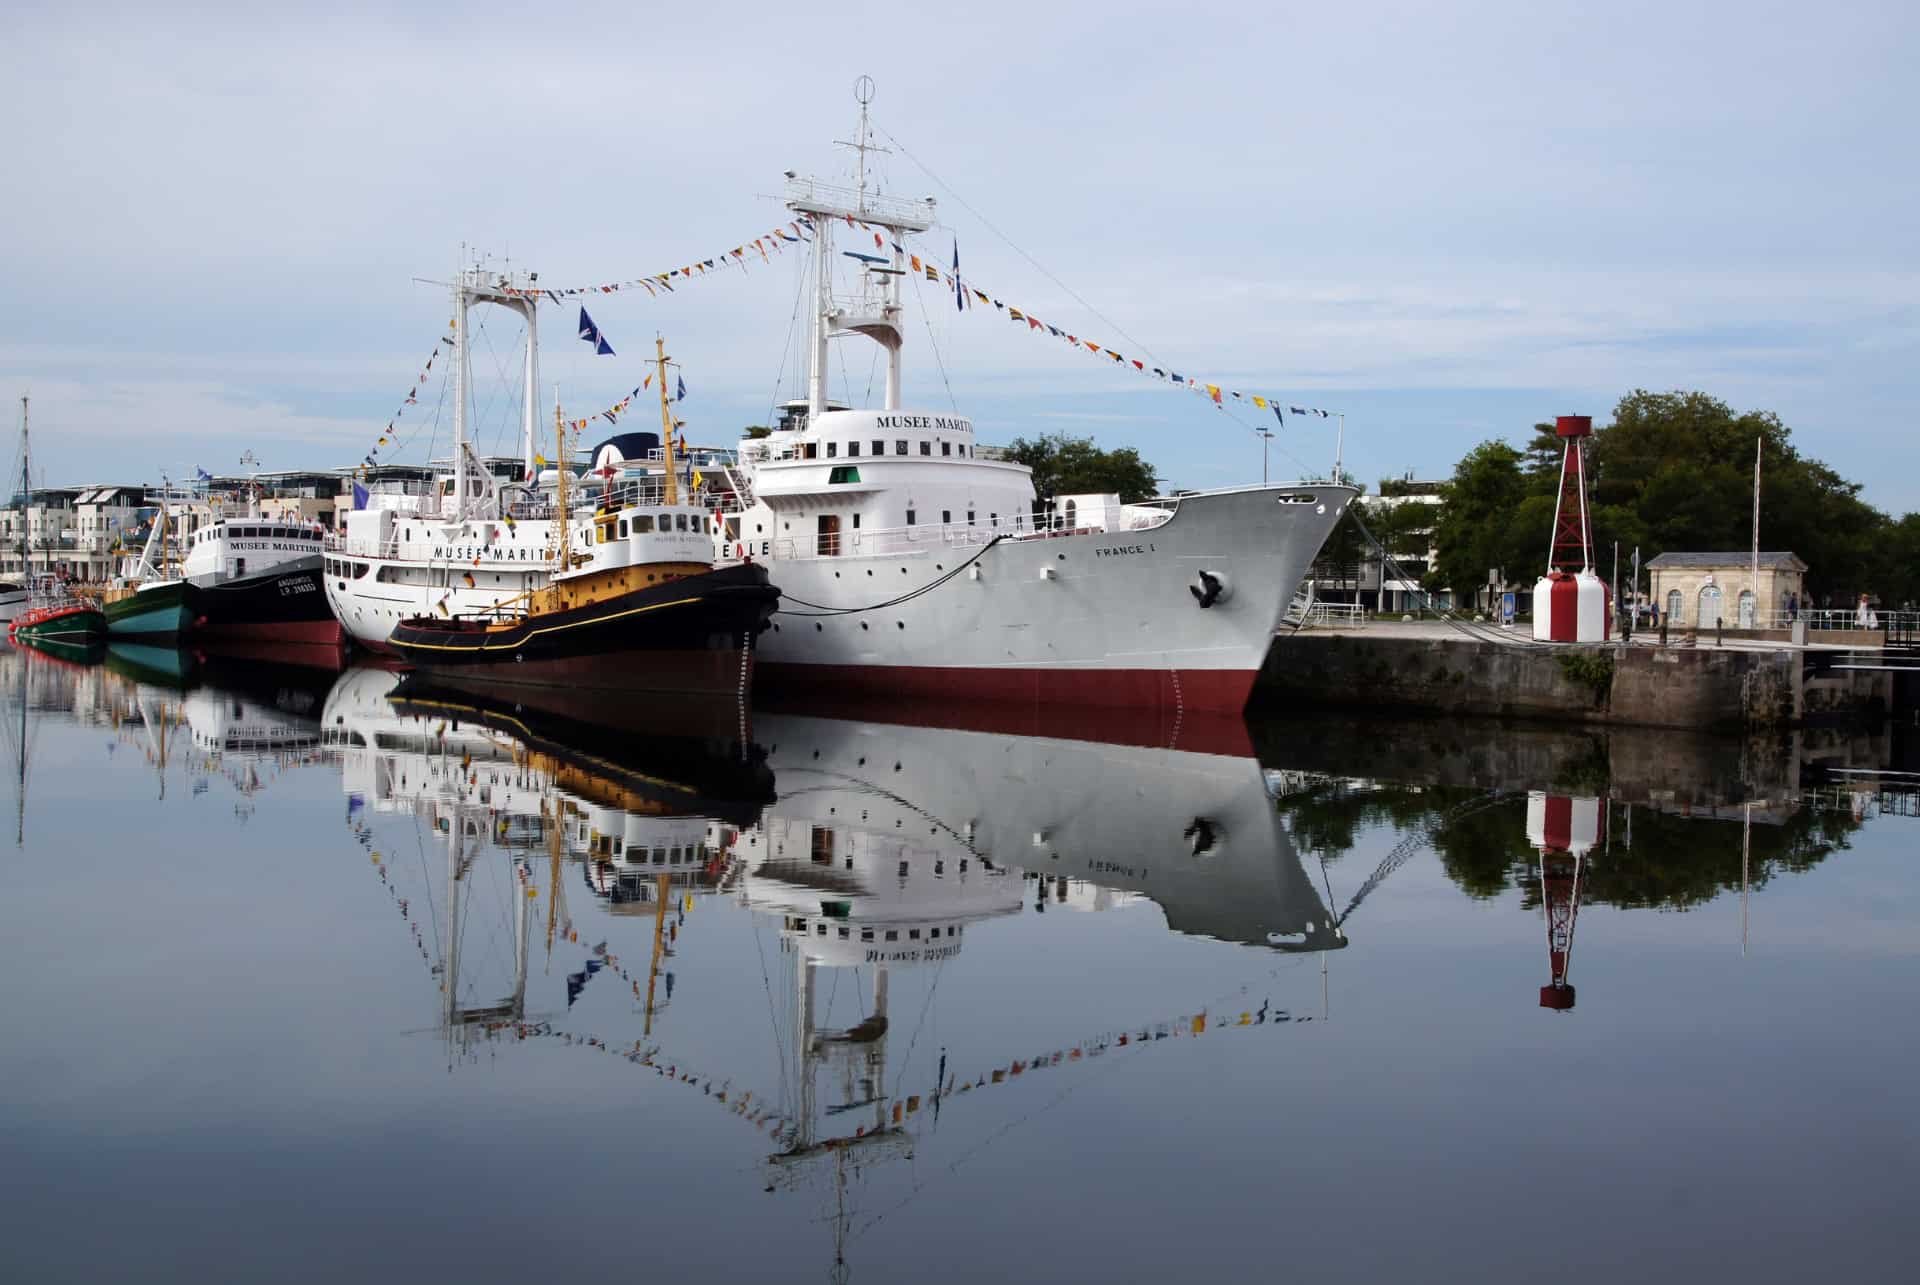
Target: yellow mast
{"points": [[553, 879], [662, 890], [666, 419], [561, 500]]}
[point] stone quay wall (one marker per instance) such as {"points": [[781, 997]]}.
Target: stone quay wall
{"points": [[1696, 688]]}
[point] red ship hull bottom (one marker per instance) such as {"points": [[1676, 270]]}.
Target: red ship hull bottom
{"points": [[1223, 691]]}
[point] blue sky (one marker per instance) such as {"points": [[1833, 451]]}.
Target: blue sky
{"points": [[1448, 221]]}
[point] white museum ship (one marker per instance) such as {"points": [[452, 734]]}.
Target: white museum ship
{"points": [[912, 562]]}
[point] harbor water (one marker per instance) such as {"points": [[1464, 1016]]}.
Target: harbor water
{"points": [[321, 975]]}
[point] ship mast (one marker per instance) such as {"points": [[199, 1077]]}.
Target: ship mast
{"points": [[561, 500], [26, 496], [671, 495], [477, 285], [876, 314]]}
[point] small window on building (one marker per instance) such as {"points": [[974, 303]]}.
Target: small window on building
{"points": [[946, 448], [913, 934], [993, 519], [926, 448], [879, 447], [946, 517], [893, 934], [910, 517], [853, 449], [810, 450], [856, 521]]}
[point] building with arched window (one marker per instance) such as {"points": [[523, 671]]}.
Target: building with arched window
{"points": [[1702, 590]]}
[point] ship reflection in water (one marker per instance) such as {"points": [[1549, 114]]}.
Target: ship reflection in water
{"points": [[872, 963]]}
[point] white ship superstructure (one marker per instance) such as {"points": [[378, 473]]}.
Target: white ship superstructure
{"points": [[913, 560], [468, 544]]}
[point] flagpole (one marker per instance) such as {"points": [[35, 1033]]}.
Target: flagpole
{"points": [[1339, 448], [1756, 529]]}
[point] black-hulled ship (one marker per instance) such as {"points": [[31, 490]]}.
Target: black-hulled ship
{"points": [[246, 578], [634, 604]]}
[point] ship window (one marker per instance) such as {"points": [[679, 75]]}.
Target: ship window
{"points": [[683, 523], [879, 447], [856, 521], [993, 519], [913, 934], [833, 449], [946, 517], [844, 473], [810, 450], [853, 449], [946, 448], [893, 934], [900, 446], [910, 518], [969, 517], [926, 448], [602, 532], [623, 528], [643, 523], [866, 934]]}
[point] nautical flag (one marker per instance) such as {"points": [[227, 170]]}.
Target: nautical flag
{"points": [[1277, 415], [959, 291], [591, 333], [201, 474], [360, 495], [864, 258], [1298, 410], [698, 477], [681, 394]]}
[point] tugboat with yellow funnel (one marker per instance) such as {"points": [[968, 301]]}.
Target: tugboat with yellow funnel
{"points": [[634, 605]]}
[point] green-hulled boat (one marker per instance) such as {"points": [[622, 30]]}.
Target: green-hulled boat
{"points": [[60, 620], [157, 609]]}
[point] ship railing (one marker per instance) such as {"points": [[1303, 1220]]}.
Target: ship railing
{"points": [[1339, 615], [1896, 623], [648, 491]]}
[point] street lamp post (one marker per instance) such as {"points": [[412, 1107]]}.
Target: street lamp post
{"points": [[1266, 435]]}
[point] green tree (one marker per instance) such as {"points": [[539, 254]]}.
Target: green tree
{"points": [[1064, 465], [1672, 472], [1478, 528]]}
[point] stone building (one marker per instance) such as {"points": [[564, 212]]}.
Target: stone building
{"points": [[1701, 590]]}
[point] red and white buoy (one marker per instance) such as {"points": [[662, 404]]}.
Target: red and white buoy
{"points": [[1570, 602]]}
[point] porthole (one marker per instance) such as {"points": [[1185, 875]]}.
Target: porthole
{"points": [[901, 623], [863, 624], [817, 626]]}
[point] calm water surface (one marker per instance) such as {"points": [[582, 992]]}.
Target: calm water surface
{"points": [[311, 978]]}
